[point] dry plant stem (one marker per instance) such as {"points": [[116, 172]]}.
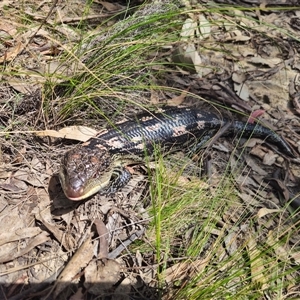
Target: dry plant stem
{"points": [[115, 253], [87, 18], [220, 133], [79, 261], [234, 99], [103, 238], [43, 22]]}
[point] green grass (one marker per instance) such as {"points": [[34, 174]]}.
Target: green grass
{"points": [[117, 65], [211, 237]]}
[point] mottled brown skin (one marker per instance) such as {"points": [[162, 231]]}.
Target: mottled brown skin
{"points": [[100, 163], [79, 164]]}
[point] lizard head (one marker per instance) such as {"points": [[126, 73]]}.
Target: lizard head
{"points": [[84, 171]]}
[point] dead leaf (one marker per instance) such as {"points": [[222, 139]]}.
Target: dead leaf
{"points": [[154, 98], [182, 57], [19, 234], [13, 52], [258, 151], [6, 172], [296, 256], [15, 186], [38, 240], [238, 36], [193, 54], [252, 142], [231, 243], [265, 211], [67, 240], [242, 91], [189, 29], [6, 26], [78, 133], [111, 7], [204, 26], [27, 176], [100, 276], [179, 99], [254, 166], [280, 251], [270, 158], [245, 180], [238, 77], [180, 270], [269, 62], [19, 85], [248, 199]]}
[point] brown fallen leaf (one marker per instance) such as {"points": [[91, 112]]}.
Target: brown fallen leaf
{"points": [[186, 57], [27, 176], [22, 233], [38, 240], [20, 85], [258, 151], [270, 61], [280, 186], [265, 211], [248, 199], [13, 52], [179, 99], [240, 85], [189, 29], [255, 167], [154, 98], [6, 26], [111, 7], [14, 187], [204, 27], [282, 251], [101, 276], [78, 133], [231, 243], [45, 217], [270, 158]]}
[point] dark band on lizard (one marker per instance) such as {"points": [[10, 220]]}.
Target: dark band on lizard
{"points": [[100, 163]]}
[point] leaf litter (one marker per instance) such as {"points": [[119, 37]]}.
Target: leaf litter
{"points": [[231, 58]]}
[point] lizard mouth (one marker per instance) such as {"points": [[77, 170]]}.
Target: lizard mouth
{"points": [[75, 195]]}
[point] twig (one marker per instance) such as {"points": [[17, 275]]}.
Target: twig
{"points": [[42, 23], [113, 254]]}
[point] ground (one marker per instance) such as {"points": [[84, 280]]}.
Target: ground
{"points": [[219, 224]]}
